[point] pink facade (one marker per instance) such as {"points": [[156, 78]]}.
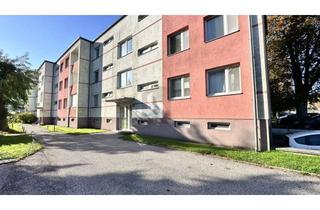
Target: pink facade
{"points": [[201, 56], [199, 108], [62, 111]]}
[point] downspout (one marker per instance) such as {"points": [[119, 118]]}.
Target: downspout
{"points": [[68, 100], [52, 101], [254, 87]]}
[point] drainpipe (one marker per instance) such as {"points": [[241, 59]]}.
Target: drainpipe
{"points": [[89, 80], [254, 86]]}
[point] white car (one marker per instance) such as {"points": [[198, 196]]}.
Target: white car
{"points": [[305, 140]]}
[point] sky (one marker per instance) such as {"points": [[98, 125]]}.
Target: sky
{"points": [[47, 37]]}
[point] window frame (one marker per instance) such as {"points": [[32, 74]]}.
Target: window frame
{"points": [[142, 17], [223, 126], [94, 100], [108, 41], [97, 52], [66, 81], [151, 45], [180, 31], [126, 40], [182, 89], [66, 63], [226, 80], [95, 76], [119, 78], [108, 67], [225, 27], [182, 124]]}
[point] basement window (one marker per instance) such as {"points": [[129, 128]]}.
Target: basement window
{"points": [[219, 125], [109, 120], [108, 67], [182, 124], [141, 17], [142, 122], [107, 94]]}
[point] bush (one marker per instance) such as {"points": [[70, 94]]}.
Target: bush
{"points": [[25, 117]]}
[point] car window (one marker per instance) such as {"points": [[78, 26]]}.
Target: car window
{"points": [[312, 140]]}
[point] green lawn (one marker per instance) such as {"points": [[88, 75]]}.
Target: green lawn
{"points": [[299, 162], [17, 146], [13, 128], [72, 131]]}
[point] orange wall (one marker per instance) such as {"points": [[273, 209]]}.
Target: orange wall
{"points": [[230, 49]]}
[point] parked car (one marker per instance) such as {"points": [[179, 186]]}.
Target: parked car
{"points": [[313, 122], [305, 140]]}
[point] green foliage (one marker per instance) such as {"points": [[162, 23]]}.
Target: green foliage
{"points": [[293, 49], [17, 147], [303, 163], [16, 79], [24, 117], [72, 131]]}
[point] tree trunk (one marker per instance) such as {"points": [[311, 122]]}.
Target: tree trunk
{"points": [[302, 109], [3, 115]]}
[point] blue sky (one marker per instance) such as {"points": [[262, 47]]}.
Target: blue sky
{"points": [[47, 37]]}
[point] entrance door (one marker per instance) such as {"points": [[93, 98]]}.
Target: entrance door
{"points": [[125, 117]]}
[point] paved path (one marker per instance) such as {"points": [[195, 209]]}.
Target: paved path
{"points": [[104, 164]]}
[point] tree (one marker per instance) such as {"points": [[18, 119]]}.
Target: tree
{"points": [[293, 49], [16, 79]]}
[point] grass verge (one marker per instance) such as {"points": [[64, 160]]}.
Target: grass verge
{"points": [[71, 131], [299, 162], [17, 146]]}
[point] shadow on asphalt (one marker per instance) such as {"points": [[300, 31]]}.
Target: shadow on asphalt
{"points": [[31, 180]]}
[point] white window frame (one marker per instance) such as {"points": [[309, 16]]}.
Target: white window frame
{"points": [[182, 34], [182, 88], [148, 48], [126, 41], [225, 26], [226, 80], [119, 78]]}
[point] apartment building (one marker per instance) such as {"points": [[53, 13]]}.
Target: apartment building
{"points": [[215, 81], [44, 98], [201, 78]]}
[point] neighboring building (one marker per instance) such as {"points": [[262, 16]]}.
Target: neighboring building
{"points": [[201, 78], [44, 98], [31, 105], [72, 85]]}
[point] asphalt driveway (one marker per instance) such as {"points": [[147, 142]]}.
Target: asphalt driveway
{"points": [[105, 164]]}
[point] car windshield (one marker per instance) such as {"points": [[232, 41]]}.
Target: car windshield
{"points": [[313, 140]]}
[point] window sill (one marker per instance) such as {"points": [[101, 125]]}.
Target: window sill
{"points": [[119, 88], [179, 98], [178, 52], [125, 55], [220, 37], [225, 94]]}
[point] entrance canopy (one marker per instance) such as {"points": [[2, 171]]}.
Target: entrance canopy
{"points": [[124, 100]]}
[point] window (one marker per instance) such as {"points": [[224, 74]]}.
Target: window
{"points": [[179, 87], [124, 79], [60, 85], [59, 104], [178, 42], [148, 48], [96, 100], [143, 122], [313, 140], [148, 86], [141, 17], [182, 124], [97, 52], [219, 125], [217, 26], [96, 76], [107, 94], [56, 86], [223, 81], [65, 103], [61, 67], [73, 100], [65, 83], [55, 102], [67, 63], [109, 40], [125, 47], [108, 67]]}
